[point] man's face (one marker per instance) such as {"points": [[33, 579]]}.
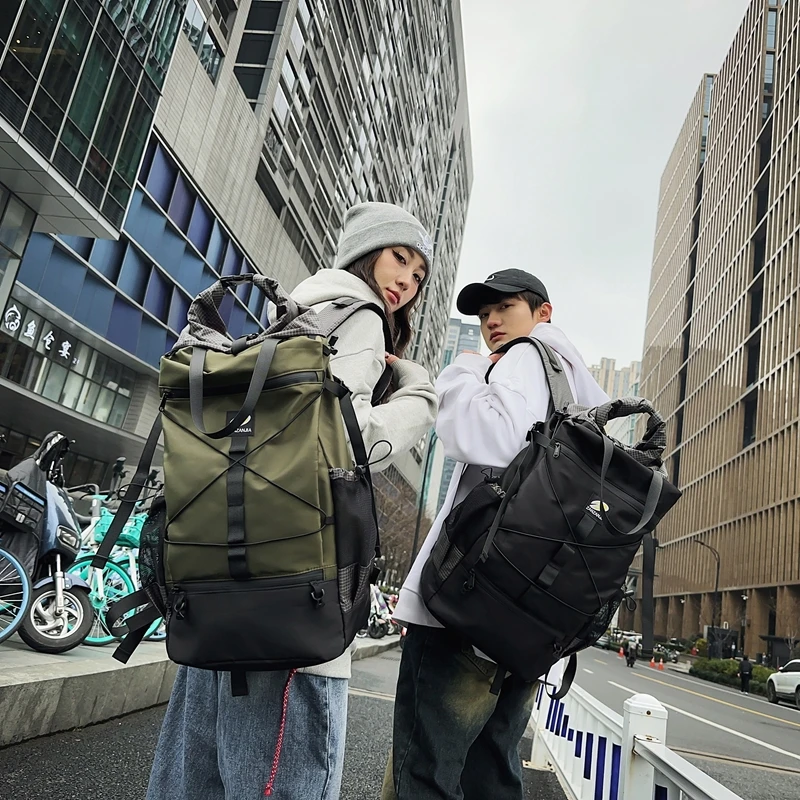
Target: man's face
{"points": [[510, 318]]}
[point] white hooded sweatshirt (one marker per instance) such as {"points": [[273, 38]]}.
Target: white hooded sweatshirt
{"points": [[485, 425], [359, 363]]}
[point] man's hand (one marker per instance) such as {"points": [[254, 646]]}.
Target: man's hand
{"points": [[390, 359], [495, 357]]}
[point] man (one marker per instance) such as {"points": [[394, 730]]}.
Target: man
{"points": [[745, 674], [453, 739]]}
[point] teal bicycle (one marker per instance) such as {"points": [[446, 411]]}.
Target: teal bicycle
{"points": [[119, 577]]}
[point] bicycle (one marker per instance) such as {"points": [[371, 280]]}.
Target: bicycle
{"points": [[119, 576], [15, 594]]}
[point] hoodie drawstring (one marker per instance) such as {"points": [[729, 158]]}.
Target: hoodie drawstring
{"points": [[276, 758]]}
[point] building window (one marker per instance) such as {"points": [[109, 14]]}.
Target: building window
{"points": [[40, 357], [750, 418], [769, 72], [195, 26]]}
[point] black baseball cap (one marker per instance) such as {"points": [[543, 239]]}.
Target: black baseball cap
{"points": [[508, 281]]}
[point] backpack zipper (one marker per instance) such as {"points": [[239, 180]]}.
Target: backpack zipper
{"points": [[291, 379]]}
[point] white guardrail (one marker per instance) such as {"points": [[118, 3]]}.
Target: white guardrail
{"points": [[599, 755]]}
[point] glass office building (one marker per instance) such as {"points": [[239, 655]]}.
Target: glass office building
{"points": [[275, 116]]}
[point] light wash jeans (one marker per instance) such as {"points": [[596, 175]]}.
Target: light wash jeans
{"points": [[214, 746]]}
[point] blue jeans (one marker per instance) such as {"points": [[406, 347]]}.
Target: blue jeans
{"points": [[452, 738], [214, 746]]}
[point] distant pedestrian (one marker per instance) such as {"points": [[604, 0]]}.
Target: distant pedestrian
{"points": [[745, 674]]}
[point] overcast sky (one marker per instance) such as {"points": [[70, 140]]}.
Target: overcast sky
{"points": [[574, 109]]}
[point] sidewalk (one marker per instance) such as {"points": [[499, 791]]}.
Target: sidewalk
{"points": [[42, 694]]}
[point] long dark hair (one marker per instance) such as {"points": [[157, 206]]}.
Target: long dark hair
{"points": [[400, 321]]}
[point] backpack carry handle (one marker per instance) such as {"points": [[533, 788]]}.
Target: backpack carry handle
{"points": [[259, 378], [655, 437], [204, 311], [650, 503]]}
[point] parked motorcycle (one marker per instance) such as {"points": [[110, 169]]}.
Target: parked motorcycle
{"points": [[38, 525]]}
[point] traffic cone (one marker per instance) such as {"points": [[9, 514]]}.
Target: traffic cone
{"points": [[621, 653], [653, 662], [661, 665]]}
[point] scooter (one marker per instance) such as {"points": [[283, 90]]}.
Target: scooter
{"points": [[630, 659], [43, 530]]}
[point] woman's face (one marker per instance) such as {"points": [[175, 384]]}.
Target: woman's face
{"points": [[399, 271]]}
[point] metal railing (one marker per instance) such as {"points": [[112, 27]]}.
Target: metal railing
{"points": [[600, 755]]}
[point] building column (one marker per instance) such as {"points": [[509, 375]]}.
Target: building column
{"points": [[734, 612], [637, 618], [675, 616], [691, 616], [757, 621], [787, 618], [661, 614]]}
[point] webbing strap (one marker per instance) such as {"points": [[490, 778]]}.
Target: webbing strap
{"points": [[338, 312], [569, 677], [132, 493], [356, 442], [650, 503], [257, 381], [237, 554], [553, 567], [136, 626], [560, 391]]}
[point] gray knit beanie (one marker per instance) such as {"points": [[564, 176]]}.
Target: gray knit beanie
{"points": [[373, 226]]}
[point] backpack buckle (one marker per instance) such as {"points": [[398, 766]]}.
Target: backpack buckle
{"points": [[317, 596]]}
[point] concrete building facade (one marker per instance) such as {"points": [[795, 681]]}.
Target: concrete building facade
{"points": [[274, 117], [722, 354]]}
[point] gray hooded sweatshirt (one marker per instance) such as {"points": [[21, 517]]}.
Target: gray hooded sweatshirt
{"points": [[359, 363]]}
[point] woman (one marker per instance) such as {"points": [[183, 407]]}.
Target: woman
{"points": [[214, 746]]}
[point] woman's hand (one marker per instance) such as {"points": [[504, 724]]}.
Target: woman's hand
{"points": [[495, 357], [390, 359]]}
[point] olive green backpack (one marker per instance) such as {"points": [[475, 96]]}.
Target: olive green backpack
{"points": [[260, 552]]}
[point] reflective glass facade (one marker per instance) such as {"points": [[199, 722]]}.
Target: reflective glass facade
{"points": [[39, 356], [81, 80], [16, 221], [135, 292]]}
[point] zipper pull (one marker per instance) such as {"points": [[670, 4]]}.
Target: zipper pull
{"points": [[556, 449], [178, 603], [469, 583]]}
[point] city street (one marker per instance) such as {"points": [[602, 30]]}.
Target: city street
{"points": [[113, 759], [744, 742]]}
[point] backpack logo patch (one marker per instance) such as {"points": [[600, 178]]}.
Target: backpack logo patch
{"points": [[247, 428], [594, 509]]}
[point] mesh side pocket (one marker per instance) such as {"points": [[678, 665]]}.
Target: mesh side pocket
{"points": [[596, 626], [151, 554], [445, 556], [356, 533]]}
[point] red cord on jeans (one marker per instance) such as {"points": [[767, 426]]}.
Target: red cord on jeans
{"points": [[279, 745]]}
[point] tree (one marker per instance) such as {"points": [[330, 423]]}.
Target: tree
{"points": [[396, 503]]}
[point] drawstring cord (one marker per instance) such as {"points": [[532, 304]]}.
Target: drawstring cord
{"points": [[279, 744]]}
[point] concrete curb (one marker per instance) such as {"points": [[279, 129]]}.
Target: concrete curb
{"points": [[54, 697]]}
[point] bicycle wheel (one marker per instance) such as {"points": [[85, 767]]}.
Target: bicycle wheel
{"points": [[15, 594], [115, 584]]}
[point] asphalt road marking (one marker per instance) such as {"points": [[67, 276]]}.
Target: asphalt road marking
{"points": [[588, 670], [721, 702], [711, 724], [373, 695], [601, 662], [739, 762]]}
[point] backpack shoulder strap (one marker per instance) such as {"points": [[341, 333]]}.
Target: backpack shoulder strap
{"points": [[338, 312], [557, 383]]}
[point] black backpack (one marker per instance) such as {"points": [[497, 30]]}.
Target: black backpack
{"points": [[531, 566]]}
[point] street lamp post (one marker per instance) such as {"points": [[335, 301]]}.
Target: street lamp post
{"points": [[715, 615]]}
